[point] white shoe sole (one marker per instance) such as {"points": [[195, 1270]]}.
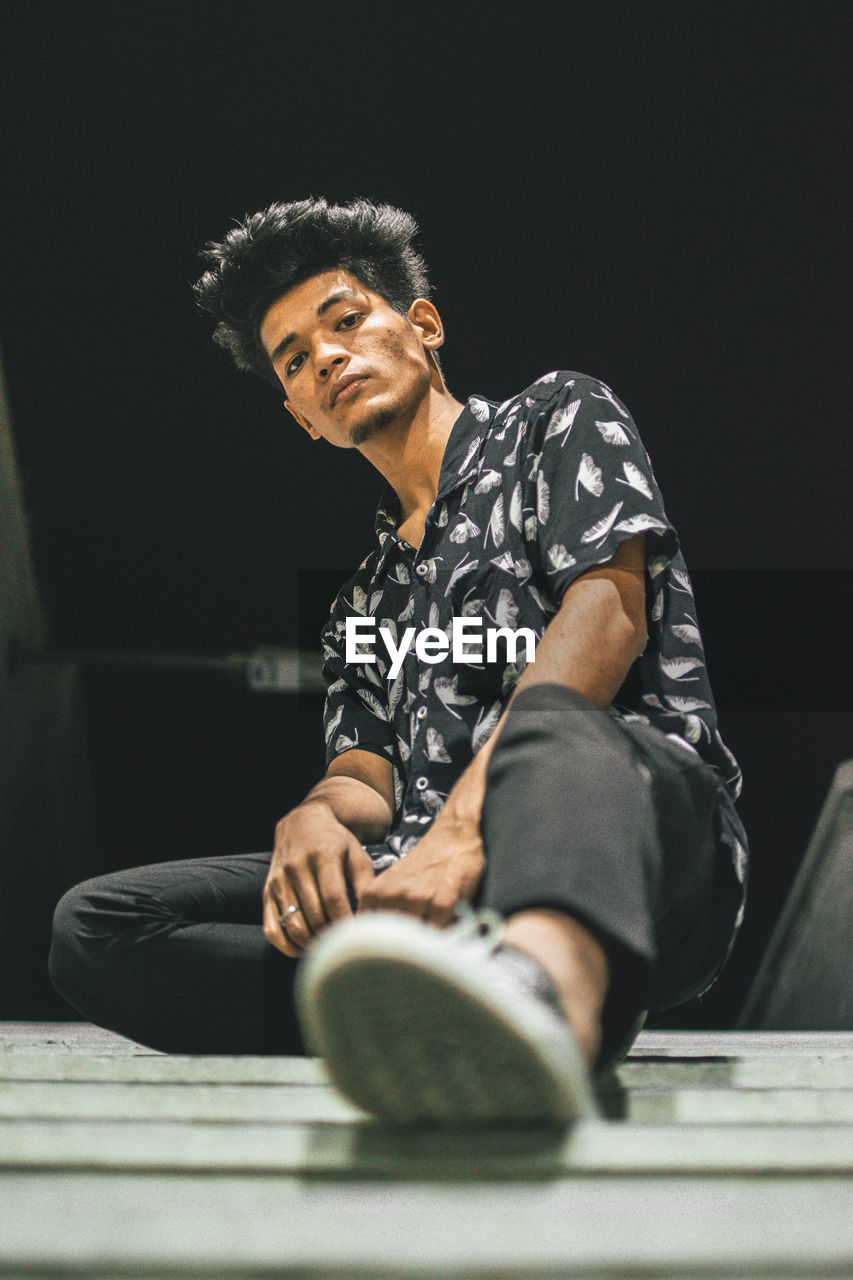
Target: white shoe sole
{"points": [[415, 1028]]}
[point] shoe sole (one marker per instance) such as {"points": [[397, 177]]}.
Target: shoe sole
{"points": [[409, 1036]]}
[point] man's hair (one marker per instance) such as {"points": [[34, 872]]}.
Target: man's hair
{"points": [[271, 252]]}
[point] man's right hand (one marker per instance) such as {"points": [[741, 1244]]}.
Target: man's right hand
{"points": [[315, 861]]}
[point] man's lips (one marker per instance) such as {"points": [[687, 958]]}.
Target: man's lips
{"points": [[347, 387]]}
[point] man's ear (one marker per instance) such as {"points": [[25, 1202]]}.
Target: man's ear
{"points": [[423, 315], [303, 422]]}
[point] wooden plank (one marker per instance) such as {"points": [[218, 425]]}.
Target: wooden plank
{"points": [[147, 1102], [273, 1103], [163, 1069], [742, 1044], [763, 1072], [746, 1106], [58, 1037], [637, 1074], [735, 1106], [61, 1037], [825, 1071], [373, 1150], [99, 1225]]}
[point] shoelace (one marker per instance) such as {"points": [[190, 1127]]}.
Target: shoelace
{"points": [[480, 927], [483, 929]]}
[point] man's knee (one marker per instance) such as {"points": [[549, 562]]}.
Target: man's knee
{"points": [[61, 961], [68, 955], [80, 962]]}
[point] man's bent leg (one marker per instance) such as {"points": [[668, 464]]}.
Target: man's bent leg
{"points": [[174, 955], [611, 825]]}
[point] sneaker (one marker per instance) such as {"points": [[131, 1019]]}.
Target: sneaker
{"points": [[440, 1026]]}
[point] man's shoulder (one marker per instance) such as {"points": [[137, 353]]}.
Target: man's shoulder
{"points": [[352, 597], [552, 387]]}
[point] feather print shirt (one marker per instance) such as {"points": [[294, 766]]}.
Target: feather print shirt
{"points": [[532, 493]]}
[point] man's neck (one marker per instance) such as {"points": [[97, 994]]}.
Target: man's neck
{"points": [[409, 455]]}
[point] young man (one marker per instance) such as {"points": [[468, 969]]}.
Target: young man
{"points": [[580, 795]]}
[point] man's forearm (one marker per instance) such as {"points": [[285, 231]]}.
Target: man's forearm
{"points": [[589, 646], [355, 804]]}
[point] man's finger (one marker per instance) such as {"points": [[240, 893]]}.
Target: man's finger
{"points": [[302, 891], [360, 873], [278, 897], [332, 885], [408, 900], [273, 931]]}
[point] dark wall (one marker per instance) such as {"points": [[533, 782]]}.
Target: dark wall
{"points": [[651, 193]]}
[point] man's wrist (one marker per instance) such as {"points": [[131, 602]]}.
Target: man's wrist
{"points": [[464, 805], [312, 799], [353, 804]]}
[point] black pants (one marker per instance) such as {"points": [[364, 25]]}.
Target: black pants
{"points": [[610, 821]]}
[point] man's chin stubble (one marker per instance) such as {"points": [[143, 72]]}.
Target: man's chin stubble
{"points": [[377, 421]]}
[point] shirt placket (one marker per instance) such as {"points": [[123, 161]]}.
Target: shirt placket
{"points": [[424, 568]]}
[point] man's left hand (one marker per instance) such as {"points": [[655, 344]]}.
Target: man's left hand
{"points": [[442, 870]]}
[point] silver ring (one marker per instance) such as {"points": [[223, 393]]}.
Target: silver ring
{"points": [[285, 915]]}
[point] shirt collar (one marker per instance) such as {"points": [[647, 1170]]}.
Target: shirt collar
{"points": [[461, 461]]}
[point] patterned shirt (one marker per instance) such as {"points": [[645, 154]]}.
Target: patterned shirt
{"points": [[531, 494]]}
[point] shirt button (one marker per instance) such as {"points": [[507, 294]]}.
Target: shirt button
{"points": [[421, 712], [421, 783], [421, 569]]}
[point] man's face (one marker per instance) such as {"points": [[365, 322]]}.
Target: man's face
{"points": [[349, 363]]}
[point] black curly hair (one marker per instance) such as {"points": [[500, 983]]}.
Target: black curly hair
{"points": [[270, 252]]}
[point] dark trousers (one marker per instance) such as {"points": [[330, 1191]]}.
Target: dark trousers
{"points": [[610, 821]]}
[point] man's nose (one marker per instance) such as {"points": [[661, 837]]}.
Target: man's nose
{"points": [[326, 359]]}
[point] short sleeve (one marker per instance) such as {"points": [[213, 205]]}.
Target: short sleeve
{"points": [[356, 710], [590, 486]]}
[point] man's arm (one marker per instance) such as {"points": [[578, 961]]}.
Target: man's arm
{"points": [[318, 852], [358, 788], [589, 645]]}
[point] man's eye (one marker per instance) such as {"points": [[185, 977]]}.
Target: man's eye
{"points": [[349, 320], [293, 365]]}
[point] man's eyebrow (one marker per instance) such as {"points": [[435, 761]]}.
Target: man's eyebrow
{"points": [[338, 296]]}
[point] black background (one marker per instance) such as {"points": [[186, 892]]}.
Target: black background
{"points": [[652, 193]]}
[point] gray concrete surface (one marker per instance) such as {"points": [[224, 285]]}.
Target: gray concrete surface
{"points": [[717, 1154]]}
